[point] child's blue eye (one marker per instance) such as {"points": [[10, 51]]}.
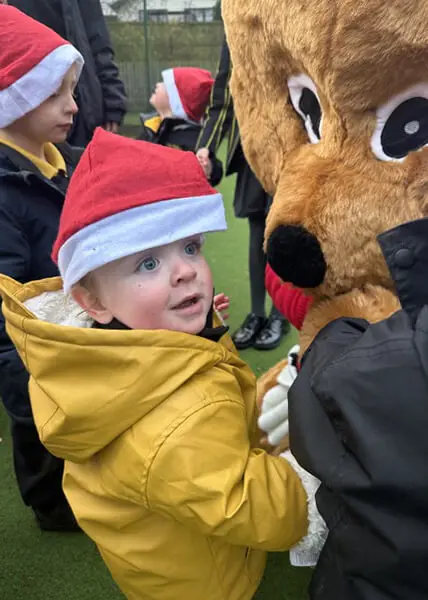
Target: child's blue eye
{"points": [[148, 264], [192, 248]]}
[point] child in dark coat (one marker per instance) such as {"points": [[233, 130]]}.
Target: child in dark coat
{"points": [[180, 100], [38, 76]]}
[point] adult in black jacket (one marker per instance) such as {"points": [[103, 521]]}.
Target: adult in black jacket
{"points": [[30, 209], [359, 422], [100, 93], [250, 201]]}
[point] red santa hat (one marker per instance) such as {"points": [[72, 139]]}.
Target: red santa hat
{"points": [[33, 63], [127, 196], [188, 90]]}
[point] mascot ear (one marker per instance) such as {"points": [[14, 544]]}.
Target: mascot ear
{"points": [[295, 255]]}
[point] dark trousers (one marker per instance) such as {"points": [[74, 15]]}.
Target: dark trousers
{"points": [[257, 263], [252, 202], [38, 473]]}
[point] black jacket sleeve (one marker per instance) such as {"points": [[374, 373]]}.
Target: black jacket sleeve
{"points": [[15, 255], [219, 115], [114, 95], [14, 261], [359, 422], [217, 170]]}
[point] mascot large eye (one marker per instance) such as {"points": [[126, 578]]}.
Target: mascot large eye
{"points": [[402, 125], [304, 98]]}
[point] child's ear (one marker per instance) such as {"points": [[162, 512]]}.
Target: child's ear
{"points": [[91, 304]]}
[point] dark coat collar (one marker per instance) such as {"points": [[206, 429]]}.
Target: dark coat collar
{"points": [[208, 332], [405, 249]]}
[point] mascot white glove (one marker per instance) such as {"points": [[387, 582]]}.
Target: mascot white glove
{"points": [[306, 552], [273, 419]]}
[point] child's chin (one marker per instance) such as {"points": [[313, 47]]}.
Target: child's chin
{"points": [[59, 137], [194, 326]]}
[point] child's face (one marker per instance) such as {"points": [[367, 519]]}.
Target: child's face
{"points": [[52, 120], [169, 287], [160, 100]]}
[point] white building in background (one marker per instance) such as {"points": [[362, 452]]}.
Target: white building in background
{"points": [[107, 10], [161, 11]]}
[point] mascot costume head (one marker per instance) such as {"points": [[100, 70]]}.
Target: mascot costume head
{"points": [[332, 102]]}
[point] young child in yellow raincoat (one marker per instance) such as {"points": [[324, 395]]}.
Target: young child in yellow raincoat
{"points": [[136, 384]]}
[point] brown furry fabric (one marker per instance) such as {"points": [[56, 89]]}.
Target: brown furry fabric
{"points": [[372, 303]]}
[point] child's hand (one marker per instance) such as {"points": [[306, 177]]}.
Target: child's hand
{"points": [[111, 126], [221, 304], [203, 156]]}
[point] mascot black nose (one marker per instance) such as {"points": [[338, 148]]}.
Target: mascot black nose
{"points": [[296, 256]]}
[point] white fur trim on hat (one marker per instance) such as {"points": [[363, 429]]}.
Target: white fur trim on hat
{"points": [[177, 107], [38, 84], [135, 230]]}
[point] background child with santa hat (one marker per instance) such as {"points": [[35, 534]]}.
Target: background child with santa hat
{"points": [[142, 391], [180, 100], [38, 73]]}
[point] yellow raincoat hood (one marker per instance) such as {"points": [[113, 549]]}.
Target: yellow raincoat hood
{"points": [[115, 377]]}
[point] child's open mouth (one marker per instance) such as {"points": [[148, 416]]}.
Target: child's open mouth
{"points": [[188, 302]]}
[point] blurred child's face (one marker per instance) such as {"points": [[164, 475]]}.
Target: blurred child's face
{"points": [[160, 100], [52, 120], [169, 287]]}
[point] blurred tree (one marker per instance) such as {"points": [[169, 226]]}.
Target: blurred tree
{"points": [[217, 11]]}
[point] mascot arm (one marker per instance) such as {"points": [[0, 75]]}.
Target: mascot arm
{"points": [[274, 421], [307, 551], [358, 423]]}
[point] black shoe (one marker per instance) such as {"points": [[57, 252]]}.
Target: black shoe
{"points": [[271, 334], [59, 518], [246, 335]]}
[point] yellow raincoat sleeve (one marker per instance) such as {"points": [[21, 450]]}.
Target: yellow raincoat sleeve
{"points": [[205, 475]]}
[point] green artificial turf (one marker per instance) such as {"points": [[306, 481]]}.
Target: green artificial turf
{"points": [[50, 566]]}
